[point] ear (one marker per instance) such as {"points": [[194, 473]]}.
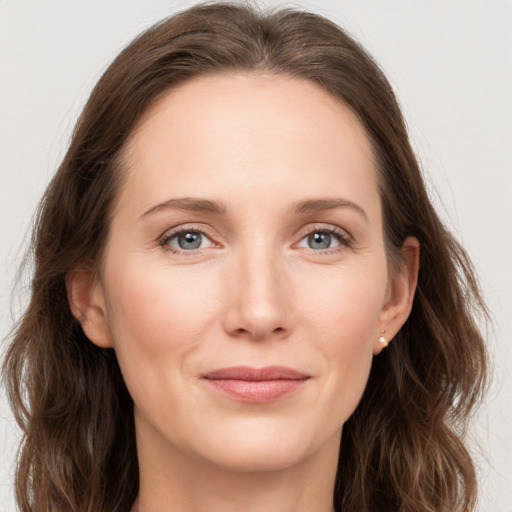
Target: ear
{"points": [[400, 293], [87, 303]]}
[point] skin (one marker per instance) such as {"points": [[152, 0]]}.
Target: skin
{"points": [[255, 293]]}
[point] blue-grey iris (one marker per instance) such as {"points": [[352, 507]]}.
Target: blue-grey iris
{"points": [[189, 240], [319, 240]]}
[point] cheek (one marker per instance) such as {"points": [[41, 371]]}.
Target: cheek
{"points": [[343, 321], [157, 317], [346, 303]]}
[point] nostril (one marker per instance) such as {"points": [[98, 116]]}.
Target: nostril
{"points": [[258, 333]]}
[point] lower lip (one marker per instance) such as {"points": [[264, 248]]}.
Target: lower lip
{"points": [[255, 391]]}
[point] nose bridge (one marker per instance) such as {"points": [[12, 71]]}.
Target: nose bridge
{"points": [[259, 305]]}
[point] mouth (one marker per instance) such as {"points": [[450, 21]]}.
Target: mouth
{"points": [[255, 385]]}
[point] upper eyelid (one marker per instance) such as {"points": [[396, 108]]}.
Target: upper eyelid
{"points": [[331, 228], [169, 233]]}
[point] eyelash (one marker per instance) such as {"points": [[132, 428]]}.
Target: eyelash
{"points": [[345, 240]]}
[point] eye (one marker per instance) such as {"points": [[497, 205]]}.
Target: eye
{"points": [[325, 238], [186, 240]]}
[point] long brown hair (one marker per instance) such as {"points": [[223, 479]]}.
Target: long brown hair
{"points": [[403, 448]]}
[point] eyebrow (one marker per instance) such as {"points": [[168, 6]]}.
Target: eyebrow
{"points": [[316, 205], [189, 204], [195, 204]]}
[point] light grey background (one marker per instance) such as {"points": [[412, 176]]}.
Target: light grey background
{"points": [[450, 62]]}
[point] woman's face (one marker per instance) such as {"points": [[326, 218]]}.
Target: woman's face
{"points": [[248, 233]]}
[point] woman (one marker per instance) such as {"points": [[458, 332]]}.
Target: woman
{"points": [[243, 298]]}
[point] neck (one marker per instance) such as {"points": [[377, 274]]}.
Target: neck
{"points": [[173, 481]]}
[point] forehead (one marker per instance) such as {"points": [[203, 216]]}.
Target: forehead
{"points": [[241, 132], [239, 104]]}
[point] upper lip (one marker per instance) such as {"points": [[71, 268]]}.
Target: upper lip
{"points": [[255, 374]]}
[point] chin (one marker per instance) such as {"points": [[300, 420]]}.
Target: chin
{"points": [[258, 459], [247, 453]]}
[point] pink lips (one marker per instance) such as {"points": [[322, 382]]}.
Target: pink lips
{"points": [[255, 385]]}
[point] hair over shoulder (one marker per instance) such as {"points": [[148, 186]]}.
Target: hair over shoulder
{"points": [[403, 449]]}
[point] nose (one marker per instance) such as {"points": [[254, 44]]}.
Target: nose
{"points": [[259, 296]]}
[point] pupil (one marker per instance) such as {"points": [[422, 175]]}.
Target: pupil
{"points": [[319, 240], [189, 240]]}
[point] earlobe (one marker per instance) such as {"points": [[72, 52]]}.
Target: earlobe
{"points": [[87, 303], [400, 294]]}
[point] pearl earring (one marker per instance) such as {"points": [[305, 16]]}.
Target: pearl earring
{"points": [[383, 341]]}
